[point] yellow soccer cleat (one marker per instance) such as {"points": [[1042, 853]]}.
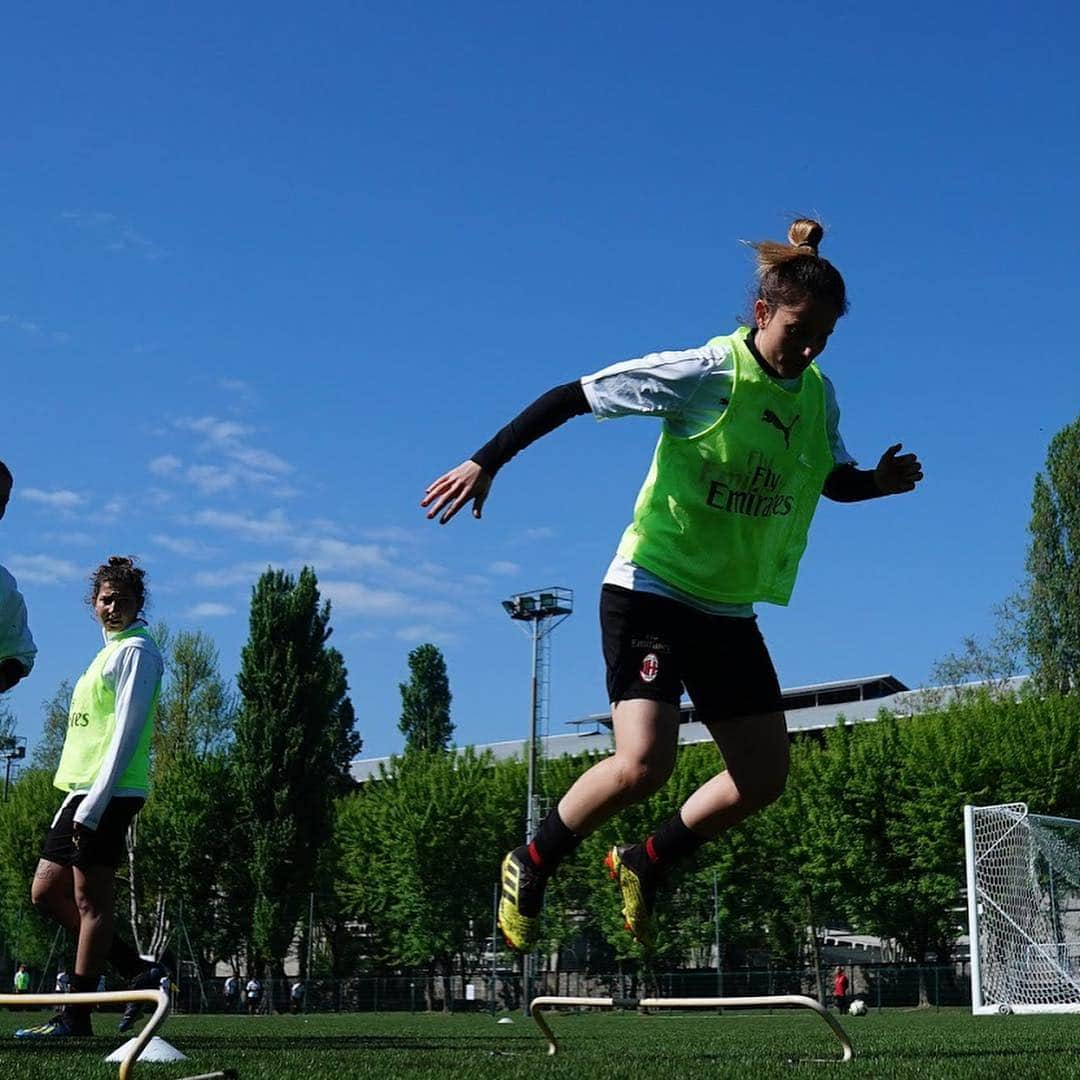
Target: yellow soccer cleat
{"points": [[630, 867], [521, 900]]}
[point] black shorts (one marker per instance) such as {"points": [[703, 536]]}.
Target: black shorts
{"points": [[655, 647], [103, 846]]}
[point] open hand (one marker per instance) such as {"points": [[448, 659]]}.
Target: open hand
{"points": [[456, 488], [896, 472]]}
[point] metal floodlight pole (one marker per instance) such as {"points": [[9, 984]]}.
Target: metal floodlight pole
{"points": [[716, 937], [544, 609], [12, 748], [531, 809]]}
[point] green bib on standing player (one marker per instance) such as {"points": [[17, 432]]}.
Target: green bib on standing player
{"points": [[91, 723], [724, 514]]}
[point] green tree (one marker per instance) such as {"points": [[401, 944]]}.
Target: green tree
{"points": [[24, 819], [185, 834], [419, 854], [425, 701], [47, 750], [196, 710], [991, 662], [293, 739], [1053, 565]]}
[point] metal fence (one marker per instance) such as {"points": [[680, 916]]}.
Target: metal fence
{"points": [[879, 985]]}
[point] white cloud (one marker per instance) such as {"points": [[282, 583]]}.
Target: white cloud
{"points": [[112, 509], [245, 573], [114, 233], [217, 431], [35, 330], [262, 460], [239, 462], [58, 500], [42, 569], [274, 526], [179, 545], [542, 532], [209, 610], [328, 553], [354, 598], [503, 567], [210, 479], [165, 464], [425, 633], [394, 534], [72, 536]]}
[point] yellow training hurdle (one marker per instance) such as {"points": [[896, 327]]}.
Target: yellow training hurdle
{"points": [[158, 998], [797, 1001]]}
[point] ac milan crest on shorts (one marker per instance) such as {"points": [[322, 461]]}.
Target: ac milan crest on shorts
{"points": [[656, 647]]}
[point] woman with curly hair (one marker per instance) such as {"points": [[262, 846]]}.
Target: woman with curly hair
{"points": [[104, 769]]}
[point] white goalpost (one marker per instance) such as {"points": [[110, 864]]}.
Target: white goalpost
{"points": [[1023, 888]]}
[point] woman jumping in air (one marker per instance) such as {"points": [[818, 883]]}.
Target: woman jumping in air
{"points": [[749, 443]]}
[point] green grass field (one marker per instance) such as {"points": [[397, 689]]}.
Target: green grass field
{"points": [[607, 1046]]}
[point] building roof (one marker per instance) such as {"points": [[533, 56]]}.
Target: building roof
{"points": [[808, 709]]}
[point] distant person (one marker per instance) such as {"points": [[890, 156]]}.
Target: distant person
{"points": [[104, 770], [63, 982], [17, 648], [296, 997], [21, 982], [253, 993], [232, 993], [840, 989], [750, 441]]}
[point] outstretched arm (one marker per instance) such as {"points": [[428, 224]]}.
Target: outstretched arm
{"points": [[895, 474], [471, 480]]}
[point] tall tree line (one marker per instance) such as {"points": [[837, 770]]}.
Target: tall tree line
{"points": [[227, 848]]}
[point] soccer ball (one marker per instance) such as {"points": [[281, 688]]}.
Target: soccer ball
{"points": [[857, 1007]]}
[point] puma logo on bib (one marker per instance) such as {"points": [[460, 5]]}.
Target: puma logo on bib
{"points": [[769, 417]]}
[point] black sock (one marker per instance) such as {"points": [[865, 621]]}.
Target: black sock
{"points": [[671, 842], [81, 984], [552, 843], [124, 958]]}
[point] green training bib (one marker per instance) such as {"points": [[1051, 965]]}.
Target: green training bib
{"points": [[91, 723], [724, 514]]}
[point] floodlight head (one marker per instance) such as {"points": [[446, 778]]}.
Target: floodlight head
{"points": [[509, 608]]}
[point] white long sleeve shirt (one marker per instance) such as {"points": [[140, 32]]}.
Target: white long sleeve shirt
{"points": [[134, 671]]}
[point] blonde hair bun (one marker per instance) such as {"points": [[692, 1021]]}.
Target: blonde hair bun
{"points": [[806, 233]]}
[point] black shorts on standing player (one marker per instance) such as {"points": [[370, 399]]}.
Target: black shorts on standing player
{"points": [[103, 846]]}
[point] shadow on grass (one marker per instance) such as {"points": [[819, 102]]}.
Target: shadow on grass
{"points": [[309, 1043]]}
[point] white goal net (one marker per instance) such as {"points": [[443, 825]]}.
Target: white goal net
{"points": [[1023, 884]]}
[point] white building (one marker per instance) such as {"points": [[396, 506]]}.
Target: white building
{"points": [[809, 709]]}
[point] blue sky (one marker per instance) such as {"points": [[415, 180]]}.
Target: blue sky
{"points": [[267, 271]]}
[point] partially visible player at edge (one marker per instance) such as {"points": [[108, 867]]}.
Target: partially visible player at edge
{"points": [[750, 441], [17, 648], [104, 769]]}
